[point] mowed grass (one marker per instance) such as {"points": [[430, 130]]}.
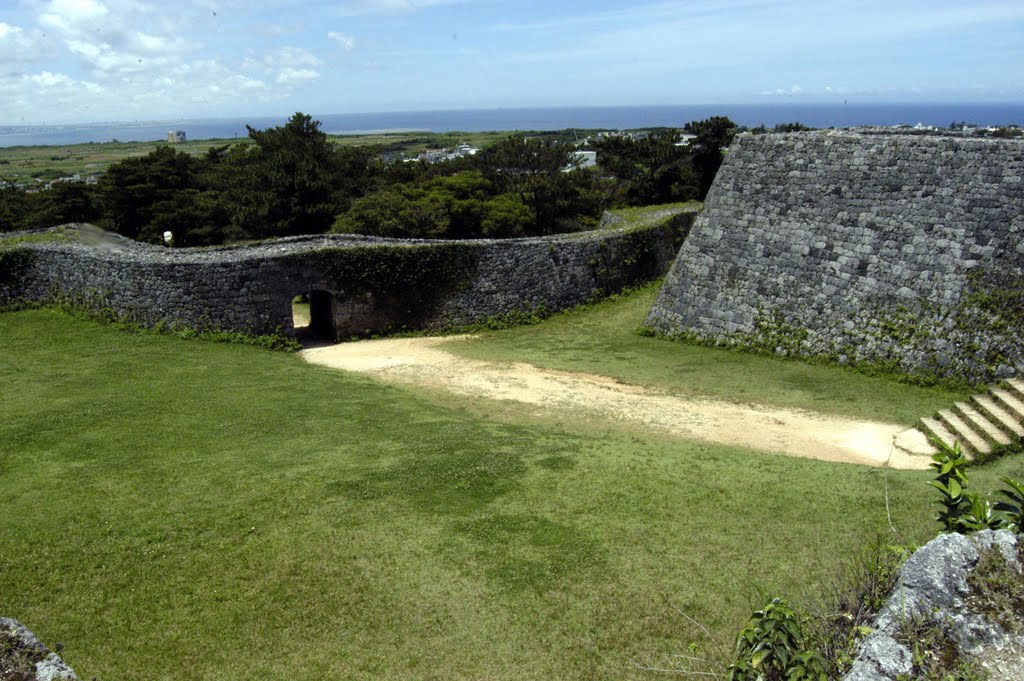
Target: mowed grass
{"points": [[602, 339], [189, 510]]}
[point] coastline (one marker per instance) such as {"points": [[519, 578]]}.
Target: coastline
{"points": [[838, 114]]}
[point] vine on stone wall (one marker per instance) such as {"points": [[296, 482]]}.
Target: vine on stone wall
{"points": [[633, 257], [993, 301], [13, 263], [377, 288], [415, 272]]}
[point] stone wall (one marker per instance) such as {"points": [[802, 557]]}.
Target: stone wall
{"points": [[903, 251], [366, 285]]}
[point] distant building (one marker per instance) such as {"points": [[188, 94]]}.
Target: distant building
{"points": [[67, 179], [581, 159], [437, 155], [175, 136]]}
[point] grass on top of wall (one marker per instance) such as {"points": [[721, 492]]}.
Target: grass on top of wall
{"points": [[643, 216], [602, 339], [180, 509]]}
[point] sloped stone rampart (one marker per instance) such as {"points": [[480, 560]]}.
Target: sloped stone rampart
{"points": [[897, 250], [373, 285]]}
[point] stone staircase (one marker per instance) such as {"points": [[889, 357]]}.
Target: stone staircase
{"points": [[985, 422]]}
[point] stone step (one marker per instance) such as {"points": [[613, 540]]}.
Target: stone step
{"points": [[968, 437], [1009, 403], [1016, 386], [933, 428], [982, 425], [997, 415]]}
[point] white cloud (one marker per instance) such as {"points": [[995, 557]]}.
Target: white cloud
{"points": [[287, 66], [347, 42], [74, 17], [64, 96], [50, 80], [56, 97], [356, 7], [275, 30], [68, 14], [291, 76], [20, 48], [792, 91], [351, 8], [284, 57], [138, 59], [295, 56], [116, 37]]}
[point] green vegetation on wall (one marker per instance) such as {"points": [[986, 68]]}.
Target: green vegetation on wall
{"points": [[414, 271], [993, 303], [13, 263], [633, 258]]}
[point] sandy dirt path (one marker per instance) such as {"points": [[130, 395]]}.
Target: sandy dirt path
{"points": [[424, 362]]}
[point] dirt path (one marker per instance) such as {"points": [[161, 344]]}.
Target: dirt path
{"points": [[424, 362]]}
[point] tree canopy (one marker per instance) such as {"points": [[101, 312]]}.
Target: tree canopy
{"points": [[292, 179], [656, 168], [713, 135]]}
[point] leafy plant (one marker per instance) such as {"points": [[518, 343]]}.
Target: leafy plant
{"points": [[951, 465], [1012, 510], [964, 511], [771, 648], [979, 515]]}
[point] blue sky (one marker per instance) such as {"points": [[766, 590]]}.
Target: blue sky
{"points": [[102, 60]]}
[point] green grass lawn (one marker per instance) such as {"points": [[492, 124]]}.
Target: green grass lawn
{"points": [[602, 339], [190, 510]]}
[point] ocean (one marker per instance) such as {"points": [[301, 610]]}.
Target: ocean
{"points": [[475, 120]]}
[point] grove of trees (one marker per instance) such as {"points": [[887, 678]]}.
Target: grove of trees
{"points": [[292, 180]]}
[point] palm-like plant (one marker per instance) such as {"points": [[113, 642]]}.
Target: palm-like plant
{"points": [[1012, 510], [951, 465]]}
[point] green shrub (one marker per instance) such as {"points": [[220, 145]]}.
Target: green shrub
{"points": [[965, 511], [771, 648], [951, 465], [1013, 509]]}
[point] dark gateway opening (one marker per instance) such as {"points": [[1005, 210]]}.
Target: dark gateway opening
{"points": [[313, 316]]}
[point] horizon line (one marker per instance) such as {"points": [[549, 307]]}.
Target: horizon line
{"points": [[781, 103]]}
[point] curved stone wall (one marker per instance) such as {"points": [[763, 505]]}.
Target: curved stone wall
{"points": [[904, 251], [359, 285]]}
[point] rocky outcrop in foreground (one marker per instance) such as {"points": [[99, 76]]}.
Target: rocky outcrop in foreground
{"points": [[24, 658], [933, 590]]}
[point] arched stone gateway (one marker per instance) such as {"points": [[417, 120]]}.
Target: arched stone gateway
{"points": [[356, 285], [900, 250]]}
